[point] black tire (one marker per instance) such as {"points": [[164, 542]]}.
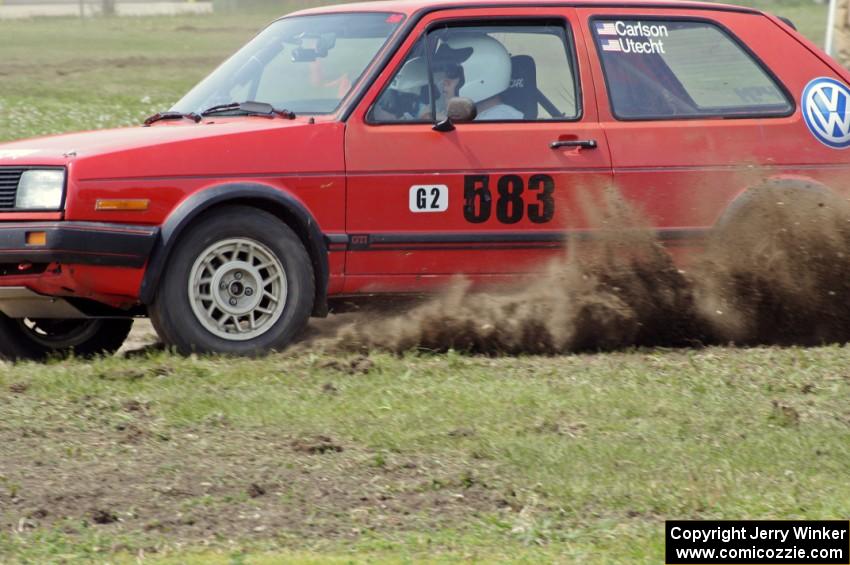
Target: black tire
{"points": [[179, 318], [41, 339], [750, 204], [777, 260]]}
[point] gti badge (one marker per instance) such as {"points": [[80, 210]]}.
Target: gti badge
{"points": [[826, 109]]}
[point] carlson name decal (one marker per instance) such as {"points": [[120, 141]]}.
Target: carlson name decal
{"points": [[826, 110], [631, 37]]}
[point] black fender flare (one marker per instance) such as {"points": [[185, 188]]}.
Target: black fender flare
{"points": [[273, 200]]}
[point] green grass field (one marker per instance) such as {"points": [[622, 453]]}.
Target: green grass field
{"points": [[576, 459], [317, 457]]}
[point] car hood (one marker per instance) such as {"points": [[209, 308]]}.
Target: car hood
{"points": [[245, 145]]}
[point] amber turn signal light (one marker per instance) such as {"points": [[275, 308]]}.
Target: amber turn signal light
{"points": [[36, 238], [132, 204]]}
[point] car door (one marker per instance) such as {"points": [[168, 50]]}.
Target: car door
{"points": [[699, 105], [487, 198]]}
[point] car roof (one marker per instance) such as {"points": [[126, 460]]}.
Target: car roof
{"points": [[410, 7]]}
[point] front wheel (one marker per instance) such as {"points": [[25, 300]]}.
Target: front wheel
{"points": [[38, 339], [240, 282]]}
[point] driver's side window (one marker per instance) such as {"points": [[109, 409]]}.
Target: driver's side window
{"points": [[408, 96], [507, 72]]}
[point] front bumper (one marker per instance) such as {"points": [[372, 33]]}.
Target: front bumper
{"points": [[78, 243]]}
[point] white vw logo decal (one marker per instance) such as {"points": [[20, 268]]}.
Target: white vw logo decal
{"points": [[826, 109]]}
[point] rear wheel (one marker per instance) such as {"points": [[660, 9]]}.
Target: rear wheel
{"points": [[39, 339], [240, 282]]}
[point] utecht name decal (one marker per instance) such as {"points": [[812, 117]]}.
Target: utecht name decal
{"points": [[632, 37]]}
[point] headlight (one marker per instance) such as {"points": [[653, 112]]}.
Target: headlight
{"points": [[40, 190]]}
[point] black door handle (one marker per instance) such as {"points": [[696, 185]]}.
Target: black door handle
{"points": [[583, 143]]}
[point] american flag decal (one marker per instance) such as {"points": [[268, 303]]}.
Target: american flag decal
{"points": [[612, 45], [606, 28]]}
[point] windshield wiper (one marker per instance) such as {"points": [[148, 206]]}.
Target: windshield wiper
{"points": [[250, 107], [173, 116]]}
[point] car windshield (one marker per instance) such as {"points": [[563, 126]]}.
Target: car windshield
{"points": [[304, 64]]}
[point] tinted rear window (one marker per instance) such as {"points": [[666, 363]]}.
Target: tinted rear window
{"points": [[661, 69]]}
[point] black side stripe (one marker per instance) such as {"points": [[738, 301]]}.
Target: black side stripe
{"points": [[459, 241]]}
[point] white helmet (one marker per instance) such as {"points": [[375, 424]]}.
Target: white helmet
{"points": [[487, 70], [412, 76]]}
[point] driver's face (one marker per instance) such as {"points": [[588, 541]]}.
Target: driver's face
{"points": [[446, 85]]}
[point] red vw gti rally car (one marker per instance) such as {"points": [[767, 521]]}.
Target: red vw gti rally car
{"points": [[385, 147]]}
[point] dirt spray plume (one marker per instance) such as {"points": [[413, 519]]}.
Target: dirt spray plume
{"points": [[776, 270], [616, 289]]}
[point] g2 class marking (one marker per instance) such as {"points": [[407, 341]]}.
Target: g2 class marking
{"points": [[429, 198], [510, 205]]}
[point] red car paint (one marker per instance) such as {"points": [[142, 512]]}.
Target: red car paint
{"points": [[353, 177]]}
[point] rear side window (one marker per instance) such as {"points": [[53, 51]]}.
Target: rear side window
{"points": [[663, 69]]}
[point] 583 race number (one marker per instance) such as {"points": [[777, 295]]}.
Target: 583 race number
{"points": [[514, 200]]}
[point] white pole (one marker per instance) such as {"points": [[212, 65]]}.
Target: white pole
{"points": [[830, 27]]}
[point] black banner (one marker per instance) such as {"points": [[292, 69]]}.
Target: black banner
{"points": [[694, 542]]}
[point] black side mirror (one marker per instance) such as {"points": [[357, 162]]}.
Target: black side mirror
{"points": [[458, 110]]}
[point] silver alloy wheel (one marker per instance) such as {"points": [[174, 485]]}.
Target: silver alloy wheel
{"points": [[237, 289]]}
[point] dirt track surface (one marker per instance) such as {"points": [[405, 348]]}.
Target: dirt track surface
{"points": [[143, 336], [218, 482]]}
